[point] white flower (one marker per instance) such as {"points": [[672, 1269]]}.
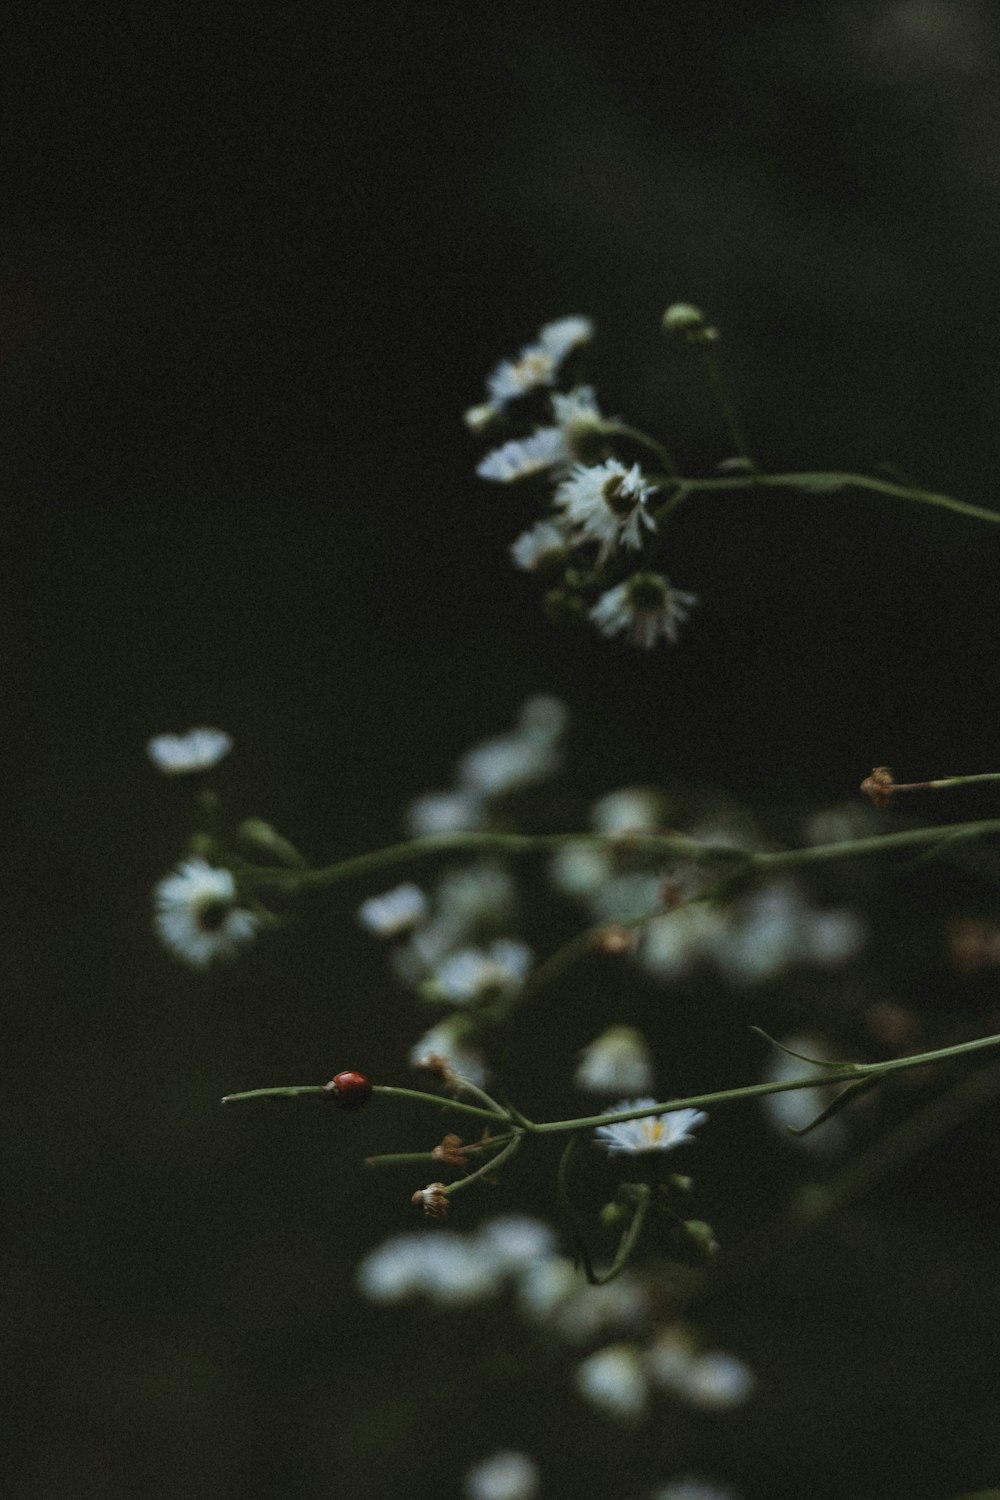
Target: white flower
{"points": [[644, 608], [579, 869], [181, 754], [436, 1263], [614, 1382], [478, 974], [545, 541], [577, 414], [606, 503], [444, 1043], [505, 1476], [690, 1488], [672, 944], [509, 762], [444, 812], [654, 1133], [521, 457], [620, 1306], [516, 1241], [537, 363], [545, 1284], [631, 809], [197, 917], [394, 911], [718, 1382], [543, 716], [618, 1061]]}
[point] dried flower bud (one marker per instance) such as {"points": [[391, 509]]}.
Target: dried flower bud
{"points": [[879, 786], [451, 1151], [432, 1199]]}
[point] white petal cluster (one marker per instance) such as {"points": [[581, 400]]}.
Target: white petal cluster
{"points": [[506, 1475], [645, 608], [533, 549], [522, 457], [618, 1061], [709, 1379], [606, 503], [474, 974], [197, 916], [691, 1488], [660, 1132], [536, 365], [183, 754], [450, 1269], [613, 1380], [395, 911], [444, 1044]]}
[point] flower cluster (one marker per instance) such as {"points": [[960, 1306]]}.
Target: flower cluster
{"points": [[602, 519]]}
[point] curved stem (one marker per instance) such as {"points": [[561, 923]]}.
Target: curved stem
{"points": [[834, 481], [846, 1074]]}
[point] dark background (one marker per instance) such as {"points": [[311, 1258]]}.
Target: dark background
{"points": [[253, 266]]}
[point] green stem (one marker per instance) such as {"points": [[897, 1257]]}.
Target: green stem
{"points": [[721, 387], [622, 429], [657, 846], [630, 1237], [291, 1090], [845, 1074], [512, 1146], [832, 481]]}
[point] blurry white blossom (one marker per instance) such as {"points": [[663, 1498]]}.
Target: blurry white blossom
{"points": [[520, 458], [444, 1044], [482, 973], [181, 754], [654, 1133], [516, 1240], [577, 415], [618, 1061], [535, 366], [643, 608], [394, 911], [448, 1269], [545, 540], [613, 1380], [504, 1476], [606, 503], [527, 755], [690, 1488], [718, 1382], [445, 812], [197, 916], [579, 869], [630, 809]]}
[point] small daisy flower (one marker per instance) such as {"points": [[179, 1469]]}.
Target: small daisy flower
{"points": [[606, 503], [197, 917], [643, 608], [655, 1133], [537, 363], [395, 911], [545, 543], [505, 1476], [522, 457], [616, 1061], [183, 754]]}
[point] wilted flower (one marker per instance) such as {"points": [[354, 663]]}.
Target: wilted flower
{"points": [[654, 1133], [197, 917]]}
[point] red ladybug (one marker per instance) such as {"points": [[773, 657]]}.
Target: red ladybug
{"points": [[349, 1090]]}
